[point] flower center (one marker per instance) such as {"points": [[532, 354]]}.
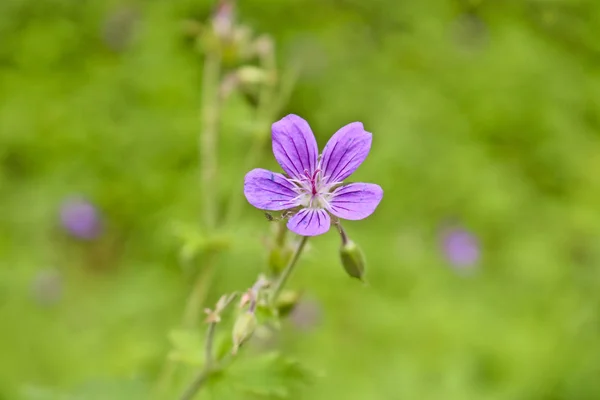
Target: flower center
{"points": [[313, 182], [312, 190]]}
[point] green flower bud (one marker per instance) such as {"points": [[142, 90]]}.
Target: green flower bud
{"points": [[353, 260], [286, 302], [278, 259], [243, 329], [250, 75]]}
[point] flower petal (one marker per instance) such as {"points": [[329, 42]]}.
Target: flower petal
{"points": [[310, 222], [345, 151], [355, 201], [294, 146], [269, 190]]}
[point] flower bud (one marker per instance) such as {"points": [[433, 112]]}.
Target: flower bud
{"points": [[250, 75], [263, 45], [286, 302], [243, 329], [353, 259], [278, 259]]}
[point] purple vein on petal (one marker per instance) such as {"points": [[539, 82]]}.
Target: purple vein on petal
{"points": [[348, 163], [269, 190], [351, 203], [295, 171], [328, 160], [303, 217], [310, 167]]}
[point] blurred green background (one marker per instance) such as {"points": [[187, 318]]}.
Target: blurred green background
{"points": [[484, 113]]}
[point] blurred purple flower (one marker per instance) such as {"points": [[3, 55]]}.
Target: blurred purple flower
{"points": [[313, 182], [80, 218], [306, 315], [460, 247]]}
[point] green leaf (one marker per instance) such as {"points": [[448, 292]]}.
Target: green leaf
{"points": [[187, 347], [265, 376]]}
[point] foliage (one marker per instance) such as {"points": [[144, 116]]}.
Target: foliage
{"points": [[483, 112]]}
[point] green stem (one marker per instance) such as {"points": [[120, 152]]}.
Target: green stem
{"points": [[208, 347], [203, 376], [198, 293], [210, 365], [208, 136], [288, 269], [281, 234], [193, 389], [342, 232]]}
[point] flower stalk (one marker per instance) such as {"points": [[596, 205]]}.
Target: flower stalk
{"points": [[210, 364], [203, 376], [283, 278]]}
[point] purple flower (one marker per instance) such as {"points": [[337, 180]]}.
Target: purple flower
{"points": [[80, 219], [312, 181], [460, 247]]}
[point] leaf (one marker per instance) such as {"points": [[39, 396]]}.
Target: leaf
{"points": [[187, 347], [265, 376], [266, 314]]}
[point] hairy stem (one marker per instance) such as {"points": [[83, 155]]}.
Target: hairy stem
{"points": [[279, 285], [342, 232]]}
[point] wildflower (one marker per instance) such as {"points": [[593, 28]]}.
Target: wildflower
{"points": [[80, 218], [460, 247], [313, 183]]}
